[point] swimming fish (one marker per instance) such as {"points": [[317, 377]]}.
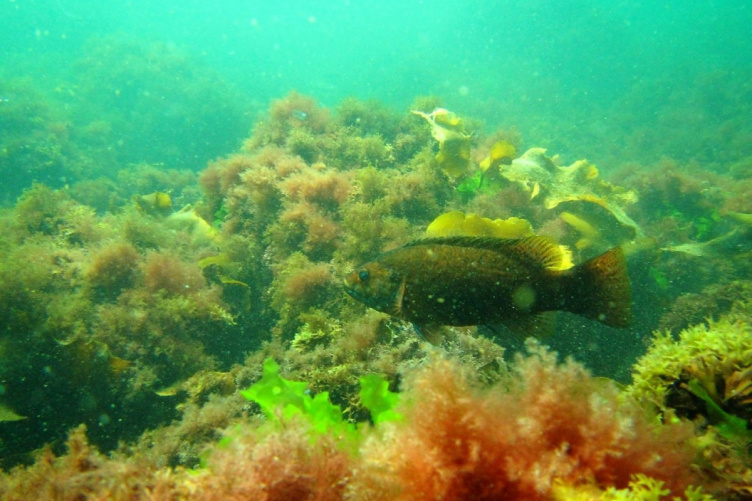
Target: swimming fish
{"points": [[158, 203], [464, 281]]}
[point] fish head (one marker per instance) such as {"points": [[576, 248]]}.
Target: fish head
{"points": [[377, 286]]}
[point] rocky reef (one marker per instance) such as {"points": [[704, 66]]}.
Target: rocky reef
{"points": [[141, 304]]}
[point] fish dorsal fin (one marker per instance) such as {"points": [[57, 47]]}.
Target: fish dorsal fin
{"points": [[543, 250], [536, 251]]}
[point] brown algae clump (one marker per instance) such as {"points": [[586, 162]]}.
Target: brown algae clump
{"points": [[706, 375], [716, 355]]}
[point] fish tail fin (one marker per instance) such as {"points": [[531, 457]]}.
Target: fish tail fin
{"points": [[602, 289]]}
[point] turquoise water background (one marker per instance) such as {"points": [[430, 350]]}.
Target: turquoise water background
{"points": [[570, 75]]}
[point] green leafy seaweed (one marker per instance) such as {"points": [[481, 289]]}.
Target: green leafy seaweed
{"points": [[281, 399], [273, 392], [376, 397], [729, 425]]}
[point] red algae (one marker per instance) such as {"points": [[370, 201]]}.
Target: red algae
{"points": [[221, 174], [308, 284], [302, 226], [327, 190], [548, 424], [288, 464], [84, 473], [113, 268], [163, 272], [554, 423]]}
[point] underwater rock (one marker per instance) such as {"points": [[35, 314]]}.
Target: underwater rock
{"points": [[712, 302], [705, 375]]}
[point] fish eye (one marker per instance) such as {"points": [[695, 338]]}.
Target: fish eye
{"points": [[363, 275]]}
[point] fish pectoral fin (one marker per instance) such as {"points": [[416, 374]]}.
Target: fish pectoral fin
{"points": [[399, 297], [430, 332], [538, 325]]}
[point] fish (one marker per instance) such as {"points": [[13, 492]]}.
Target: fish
{"points": [[466, 281], [737, 242], [158, 203]]}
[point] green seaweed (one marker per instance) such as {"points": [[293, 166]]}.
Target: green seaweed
{"points": [[273, 392], [470, 186], [220, 215], [729, 425], [660, 277], [376, 397], [480, 182], [705, 225]]}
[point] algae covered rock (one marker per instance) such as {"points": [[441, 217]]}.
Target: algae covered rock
{"points": [[706, 375], [717, 355]]}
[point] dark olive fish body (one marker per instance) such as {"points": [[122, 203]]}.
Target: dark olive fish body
{"points": [[473, 281]]}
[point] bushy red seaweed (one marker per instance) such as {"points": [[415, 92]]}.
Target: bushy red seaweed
{"points": [[548, 424], [553, 423], [163, 272]]}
